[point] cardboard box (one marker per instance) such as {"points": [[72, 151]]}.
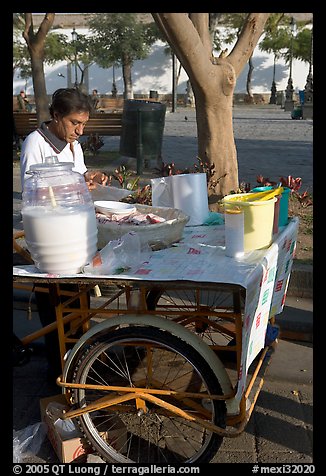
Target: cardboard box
{"points": [[70, 449], [67, 450]]}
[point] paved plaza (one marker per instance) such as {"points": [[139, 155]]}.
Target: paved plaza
{"points": [[268, 143]]}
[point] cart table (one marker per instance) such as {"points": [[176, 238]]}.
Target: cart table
{"points": [[197, 263]]}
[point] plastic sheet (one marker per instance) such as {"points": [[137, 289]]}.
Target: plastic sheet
{"points": [[28, 441], [186, 192], [105, 192], [119, 255]]}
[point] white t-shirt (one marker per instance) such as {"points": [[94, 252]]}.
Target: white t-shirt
{"points": [[42, 143]]}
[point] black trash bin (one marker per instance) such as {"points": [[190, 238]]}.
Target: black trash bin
{"points": [[142, 131], [153, 94]]}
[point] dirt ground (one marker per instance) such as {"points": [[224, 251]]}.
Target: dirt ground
{"points": [[304, 251]]}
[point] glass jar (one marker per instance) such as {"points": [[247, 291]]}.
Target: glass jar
{"points": [[58, 218]]}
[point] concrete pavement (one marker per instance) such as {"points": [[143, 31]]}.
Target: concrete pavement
{"points": [[270, 143], [279, 431]]}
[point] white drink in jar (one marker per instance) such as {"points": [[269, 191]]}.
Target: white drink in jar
{"points": [[61, 239]]}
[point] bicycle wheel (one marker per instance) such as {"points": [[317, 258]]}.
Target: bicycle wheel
{"points": [[207, 312], [142, 431]]}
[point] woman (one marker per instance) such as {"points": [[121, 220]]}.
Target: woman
{"points": [[95, 100], [23, 103], [58, 137]]}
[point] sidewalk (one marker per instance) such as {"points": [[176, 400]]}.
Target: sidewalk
{"points": [[280, 428], [269, 143]]}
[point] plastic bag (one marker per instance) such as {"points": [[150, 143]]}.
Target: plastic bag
{"points": [[214, 218], [66, 428], [105, 192], [119, 255], [186, 192], [28, 441]]}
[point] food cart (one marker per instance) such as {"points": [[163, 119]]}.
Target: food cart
{"points": [[174, 358]]}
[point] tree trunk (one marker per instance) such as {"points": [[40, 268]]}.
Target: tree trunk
{"points": [[35, 45], [126, 73], [216, 144], [213, 81], [250, 98], [41, 99]]}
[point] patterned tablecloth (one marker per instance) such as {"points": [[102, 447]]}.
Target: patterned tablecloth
{"points": [[200, 257]]}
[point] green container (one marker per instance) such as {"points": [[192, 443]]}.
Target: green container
{"points": [[284, 203], [142, 130], [296, 113]]}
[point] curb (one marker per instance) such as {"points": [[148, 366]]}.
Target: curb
{"points": [[296, 324], [301, 280]]}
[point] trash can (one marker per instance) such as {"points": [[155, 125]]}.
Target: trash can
{"points": [[153, 94], [142, 131], [297, 113]]}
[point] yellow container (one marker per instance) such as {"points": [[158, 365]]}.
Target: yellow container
{"points": [[258, 219]]}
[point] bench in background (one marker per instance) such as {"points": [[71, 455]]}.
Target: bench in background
{"points": [[24, 123], [105, 124]]}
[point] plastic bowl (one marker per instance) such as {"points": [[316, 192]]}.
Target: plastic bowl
{"points": [[110, 207], [157, 235]]}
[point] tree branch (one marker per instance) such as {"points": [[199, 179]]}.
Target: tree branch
{"points": [[201, 23], [249, 36], [28, 30], [45, 26], [187, 44]]}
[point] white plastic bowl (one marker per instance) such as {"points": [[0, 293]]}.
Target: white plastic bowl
{"points": [[109, 207]]}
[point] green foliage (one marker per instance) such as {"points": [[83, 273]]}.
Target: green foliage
{"points": [[302, 45], [122, 175], [275, 42], [279, 38], [232, 24], [56, 48], [120, 39]]}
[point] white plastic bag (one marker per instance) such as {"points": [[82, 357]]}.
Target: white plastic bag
{"points": [[66, 428], [119, 255], [105, 192], [28, 441], [186, 192]]}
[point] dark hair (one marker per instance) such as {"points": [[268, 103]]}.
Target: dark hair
{"points": [[68, 100]]}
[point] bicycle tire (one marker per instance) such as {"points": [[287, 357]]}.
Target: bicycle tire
{"points": [[122, 357]]}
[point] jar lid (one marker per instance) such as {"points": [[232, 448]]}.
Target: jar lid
{"points": [[47, 167]]}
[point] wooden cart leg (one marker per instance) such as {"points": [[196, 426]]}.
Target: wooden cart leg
{"points": [[83, 299]]}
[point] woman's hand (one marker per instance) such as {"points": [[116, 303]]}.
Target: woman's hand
{"points": [[95, 177]]}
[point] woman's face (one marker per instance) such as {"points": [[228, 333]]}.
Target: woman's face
{"points": [[70, 127]]}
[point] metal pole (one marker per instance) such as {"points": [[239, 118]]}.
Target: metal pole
{"points": [[114, 86], [272, 99], [174, 83], [289, 102], [74, 39], [307, 108], [139, 144]]}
